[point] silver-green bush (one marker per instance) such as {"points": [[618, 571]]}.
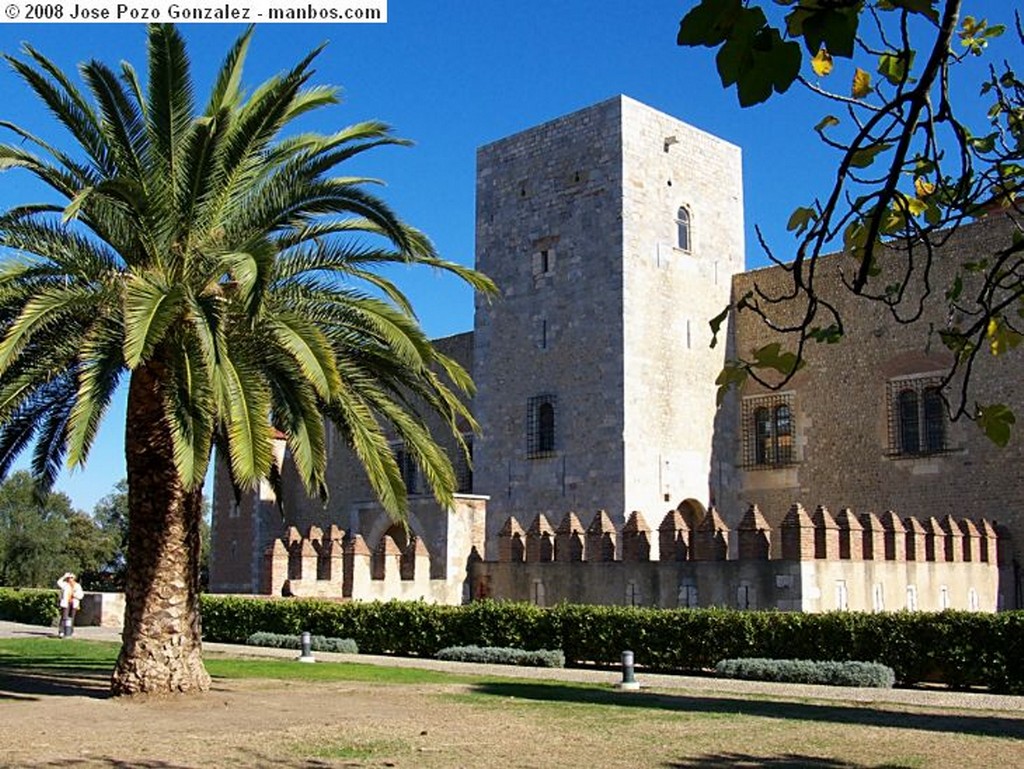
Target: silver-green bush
{"points": [[317, 643], [501, 655], [828, 673]]}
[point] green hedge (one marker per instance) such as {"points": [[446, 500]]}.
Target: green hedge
{"points": [[28, 605], [959, 648], [829, 673], [501, 655]]}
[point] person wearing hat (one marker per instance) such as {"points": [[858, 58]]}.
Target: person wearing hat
{"points": [[71, 594]]}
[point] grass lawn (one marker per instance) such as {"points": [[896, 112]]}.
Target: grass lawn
{"points": [[343, 714]]}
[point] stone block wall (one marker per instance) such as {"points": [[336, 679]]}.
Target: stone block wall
{"points": [[843, 407], [813, 571]]}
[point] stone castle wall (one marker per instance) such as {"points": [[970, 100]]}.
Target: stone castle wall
{"points": [[843, 409], [848, 561], [549, 232], [669, 294]]}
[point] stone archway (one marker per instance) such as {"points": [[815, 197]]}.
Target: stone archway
{"points": [[693, 512]]}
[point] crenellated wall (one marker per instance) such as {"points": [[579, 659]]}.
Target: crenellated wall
{"points": [[335, 564], [859, 562]]}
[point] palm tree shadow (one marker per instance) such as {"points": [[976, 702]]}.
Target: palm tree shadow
{"points": [[747, 761], [20, 684], [984, 725]]}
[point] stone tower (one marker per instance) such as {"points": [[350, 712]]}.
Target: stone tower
{"points": [[613, 234]]}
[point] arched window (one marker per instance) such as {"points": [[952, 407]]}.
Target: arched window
{"points": [[683, 228], [934, 420], [773, 431], [762, 436], [540, 434], [546, 427], [783, 435], [910, 431], [917, 416]]}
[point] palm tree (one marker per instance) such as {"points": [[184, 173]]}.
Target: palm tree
{"points": [[232, 276]]}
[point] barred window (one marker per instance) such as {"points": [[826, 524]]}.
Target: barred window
{"points": [[464, 469], [683, 228], [768, 431], [408, 468], [540, 430], [917, 417]]}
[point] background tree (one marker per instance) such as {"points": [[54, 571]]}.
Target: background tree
{"points": [[42, 536], [911, 168], [233, 275], [111, 515]]}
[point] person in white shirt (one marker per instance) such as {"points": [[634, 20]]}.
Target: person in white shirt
{"points": [[71, 594]]}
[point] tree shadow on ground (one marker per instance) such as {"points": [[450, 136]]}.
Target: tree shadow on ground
{"points": [[251, 758], [787, 761], [71, 682], [898, 716]]}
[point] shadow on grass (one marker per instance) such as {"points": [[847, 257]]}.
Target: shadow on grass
{"points": [[861, 715], [250, 758], [31, 684], [788, 761]]}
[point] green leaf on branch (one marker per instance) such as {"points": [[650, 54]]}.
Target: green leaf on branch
{"points": [[821, 24], [957, 343], [758, 61], [826, 122], [753, 54], [710, 23], [894, 66], [983, 143], [954, 291], [925, 8], [801, 219], [865, 156], [732, 375], [996, 421], [716, 325], [772, 356], [828, 335]]}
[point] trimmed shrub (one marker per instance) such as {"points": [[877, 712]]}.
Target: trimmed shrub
{"points": [[959, 648], [318, 643], [29, 605], [501, 655], [829, 673]]}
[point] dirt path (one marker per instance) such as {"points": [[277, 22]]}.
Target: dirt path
{"points": [[51, 722]]}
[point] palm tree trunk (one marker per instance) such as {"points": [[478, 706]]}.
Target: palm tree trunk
{"points": [[161, 649]]}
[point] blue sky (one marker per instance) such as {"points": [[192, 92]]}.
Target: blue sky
{"points": [[453, 75]]}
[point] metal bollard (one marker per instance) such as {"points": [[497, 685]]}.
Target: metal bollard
{"points": [[628, 682], [307, 647]]}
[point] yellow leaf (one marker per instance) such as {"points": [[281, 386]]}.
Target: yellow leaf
{"points": [[923, 188], [861, 84], [916, 206], [822, 62]]}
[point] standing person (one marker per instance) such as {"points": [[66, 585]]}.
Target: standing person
{"points": [[70, 599]]}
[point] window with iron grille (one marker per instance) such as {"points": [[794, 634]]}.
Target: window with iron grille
{"points": [[769, 431], [916, 416], [408, 468], [464, 469], [540, 426]]}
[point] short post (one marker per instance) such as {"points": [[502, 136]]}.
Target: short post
{"points": [[307, 647], [628, 682]]}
